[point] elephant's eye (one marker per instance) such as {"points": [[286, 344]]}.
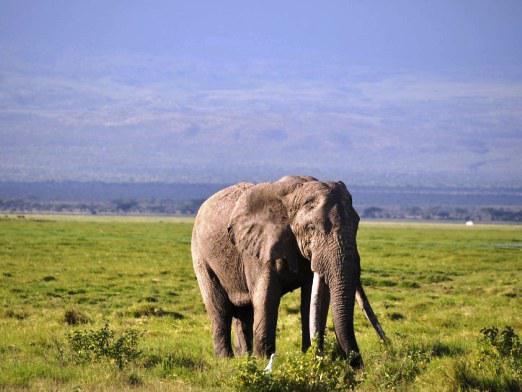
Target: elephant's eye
{"points": [[310, 228], [309, 204]]}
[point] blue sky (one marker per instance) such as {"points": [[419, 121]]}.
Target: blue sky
{"points": [[402, 92]]}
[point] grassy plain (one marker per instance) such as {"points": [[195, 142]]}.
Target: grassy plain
{"points": [[433, 286]]}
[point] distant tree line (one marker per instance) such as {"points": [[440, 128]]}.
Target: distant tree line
{"points": [[484, 214], [113, 207], [132, 206]]}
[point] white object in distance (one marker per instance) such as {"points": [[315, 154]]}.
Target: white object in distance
{"points": [[469, 223]]}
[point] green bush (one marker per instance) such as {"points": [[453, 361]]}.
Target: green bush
{"points": [[399, 364], [496, 367], [93, 345], [312, 371], [180, 360], [135, 379], [502, 345], [75, 317]]}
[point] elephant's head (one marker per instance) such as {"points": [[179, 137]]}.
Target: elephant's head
{"points": [[316, 219]]}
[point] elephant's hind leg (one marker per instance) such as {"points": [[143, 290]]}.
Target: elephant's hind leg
{"points": [[243, 329], [219, 309]]}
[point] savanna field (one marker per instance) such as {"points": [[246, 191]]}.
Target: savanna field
{"points": [[100, 304]]}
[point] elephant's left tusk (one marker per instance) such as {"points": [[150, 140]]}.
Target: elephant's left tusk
{"points": [[365, 306]]}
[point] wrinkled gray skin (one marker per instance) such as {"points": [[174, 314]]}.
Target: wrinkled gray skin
{"points": [[252, 243]]}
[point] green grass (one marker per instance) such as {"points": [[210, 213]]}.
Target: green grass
{"points": [[434, 287]]}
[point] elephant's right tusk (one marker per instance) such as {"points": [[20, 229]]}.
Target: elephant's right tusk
{"points": [[319, 302], [365, 306]]}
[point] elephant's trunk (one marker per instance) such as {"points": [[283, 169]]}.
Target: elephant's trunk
{"points": [[338, 282], [342, 292]]}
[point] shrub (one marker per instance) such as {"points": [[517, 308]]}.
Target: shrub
{"points": [[151, 360], [399, 364], [172, 360], [312, 371], [93, 345], [250, 377], [75, 317], [503, 344], [149, 310], [395, 316], [135, 379], [496, 367], [181, 360], [19, 315]]}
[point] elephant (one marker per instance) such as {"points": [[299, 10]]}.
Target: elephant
{"points": [[253, 243]]}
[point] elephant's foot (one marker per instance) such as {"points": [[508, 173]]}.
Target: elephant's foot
{"points": [[222, 346], [264, 350], [223, 352], [356, 361], [222, 339]]}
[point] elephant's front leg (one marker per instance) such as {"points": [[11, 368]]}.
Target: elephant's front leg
{"points": [[266, 300]]}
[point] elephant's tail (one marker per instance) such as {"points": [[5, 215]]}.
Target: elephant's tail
{"points": [[363, 302]]}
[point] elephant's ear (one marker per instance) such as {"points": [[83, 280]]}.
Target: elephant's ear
{"points": [[345, 190], [259, 227]]}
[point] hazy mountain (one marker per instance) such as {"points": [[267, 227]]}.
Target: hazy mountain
{"points": [[386, 93]]}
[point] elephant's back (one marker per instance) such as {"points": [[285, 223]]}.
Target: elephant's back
{"points": [[212, 218], [221, 203]]}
